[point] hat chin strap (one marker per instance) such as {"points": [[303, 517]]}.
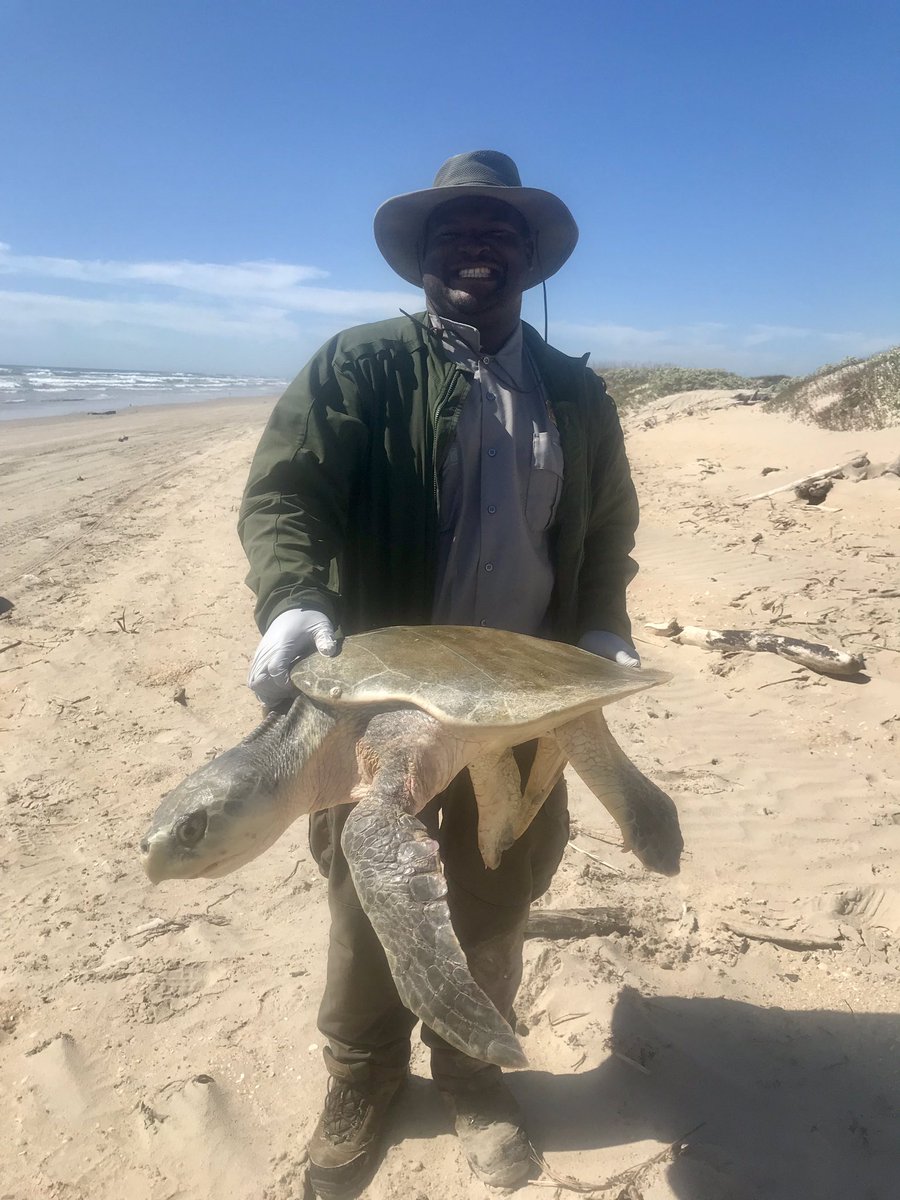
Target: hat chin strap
{"points": [[537, 258]]}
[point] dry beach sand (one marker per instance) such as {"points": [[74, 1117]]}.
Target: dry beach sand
{"points": [[162, 1043]]}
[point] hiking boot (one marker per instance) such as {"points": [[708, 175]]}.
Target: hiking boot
{"points": [[490, 1128], [343, 1150]]}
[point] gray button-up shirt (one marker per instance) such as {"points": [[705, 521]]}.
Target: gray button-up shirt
{"points": [[499, 490]]}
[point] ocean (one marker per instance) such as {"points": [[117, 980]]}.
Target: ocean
{"points": [[53, 391]]}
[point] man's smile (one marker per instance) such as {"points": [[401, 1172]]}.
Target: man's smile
{"points": [[475, 258], [475, 278]]}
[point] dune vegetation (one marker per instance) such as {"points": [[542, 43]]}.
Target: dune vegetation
{"points": [[633, 386], [856, 393]]}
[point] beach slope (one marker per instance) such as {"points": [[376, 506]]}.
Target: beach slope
{"points": [[162, 1042]]}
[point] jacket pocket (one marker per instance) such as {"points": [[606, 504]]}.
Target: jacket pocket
{"points": [[544, 480]]}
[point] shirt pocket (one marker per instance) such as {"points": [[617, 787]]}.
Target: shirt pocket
{"points": [[544, 480]]}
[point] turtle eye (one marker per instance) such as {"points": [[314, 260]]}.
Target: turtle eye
{"points": [[191, 829]]}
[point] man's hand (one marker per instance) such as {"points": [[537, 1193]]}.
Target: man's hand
{"points": [[291, 635], [611, 646]]}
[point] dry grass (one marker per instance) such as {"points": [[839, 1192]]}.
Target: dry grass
{"points": [[857, 393], [634, 386]]}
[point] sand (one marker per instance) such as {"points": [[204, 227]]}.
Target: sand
{"points": [[162, 1043]]}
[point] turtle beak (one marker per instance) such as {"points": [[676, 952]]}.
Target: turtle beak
{"points": [[151, 861], [157, 858]]}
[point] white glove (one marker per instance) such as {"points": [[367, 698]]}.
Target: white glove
{"points": [[611, 646], [292, 635]]}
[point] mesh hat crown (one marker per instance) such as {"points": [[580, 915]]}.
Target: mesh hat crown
{"points": [[401, 221]]}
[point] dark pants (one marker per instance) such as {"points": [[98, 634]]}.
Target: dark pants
{"points": [[367, 1027]]}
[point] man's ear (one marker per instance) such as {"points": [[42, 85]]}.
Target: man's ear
{"points": [[529, 252]]}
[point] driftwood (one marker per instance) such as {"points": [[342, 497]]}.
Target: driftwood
{"points": [[559, 923], [782, 937], [813, 655], [872, 471], [815, 491], [858, 460]]}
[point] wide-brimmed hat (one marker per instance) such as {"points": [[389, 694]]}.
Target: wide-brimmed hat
{"points": [[400, 222]]}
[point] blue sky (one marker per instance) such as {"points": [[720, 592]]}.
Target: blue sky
{"points": [[190, 185]]}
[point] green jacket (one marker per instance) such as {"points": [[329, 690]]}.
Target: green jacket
{"points": [[340, 512]]}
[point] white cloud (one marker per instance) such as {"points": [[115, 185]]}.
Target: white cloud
{"points": [[764, 335], [756, 349], [628, 337], [701, 344], [282, 285], [245, 279], [49, 299], [23, 311], [271, 311]]}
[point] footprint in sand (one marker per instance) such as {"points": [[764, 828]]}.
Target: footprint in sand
{"points": [[205, 1139]]}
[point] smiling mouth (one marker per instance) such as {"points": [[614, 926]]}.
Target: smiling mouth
{"points": [[476, 273]]}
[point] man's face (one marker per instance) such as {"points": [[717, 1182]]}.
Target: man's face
{"points": [[476, 256]]}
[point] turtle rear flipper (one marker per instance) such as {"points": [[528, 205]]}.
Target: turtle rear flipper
{"points": [[546, 768], [497, 785], [646, 816], [505, 808], [397, 874]]}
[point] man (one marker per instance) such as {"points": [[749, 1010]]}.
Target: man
{"points": [[446, 467]]}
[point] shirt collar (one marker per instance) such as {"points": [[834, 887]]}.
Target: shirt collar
{"points": [[509, 355]]}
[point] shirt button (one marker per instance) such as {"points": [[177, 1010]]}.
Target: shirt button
{"points": [[492, 508], [486, 359], [492, 453], [491, 396], [489, 566]]}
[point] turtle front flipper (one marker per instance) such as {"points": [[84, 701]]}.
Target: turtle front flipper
{"points": [[397, 874], [646, 816]]}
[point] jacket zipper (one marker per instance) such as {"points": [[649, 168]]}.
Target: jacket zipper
{"points": [[455, 374]]}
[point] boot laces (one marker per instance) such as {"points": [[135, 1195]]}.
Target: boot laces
{"points": [[346, 1108]]}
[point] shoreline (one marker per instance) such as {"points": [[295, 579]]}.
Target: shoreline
{"points": [[64, 478], [60, 413]]}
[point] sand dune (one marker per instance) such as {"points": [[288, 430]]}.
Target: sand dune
{"points": [[162, 1042]]}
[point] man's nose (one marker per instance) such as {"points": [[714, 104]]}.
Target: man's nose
{"points": [[474, 243]]}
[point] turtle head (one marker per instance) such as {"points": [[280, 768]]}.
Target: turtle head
{"points": [[214, 821], [229, 810]]}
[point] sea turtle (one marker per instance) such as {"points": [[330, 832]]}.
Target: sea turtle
{"points": [[388, 723]]}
